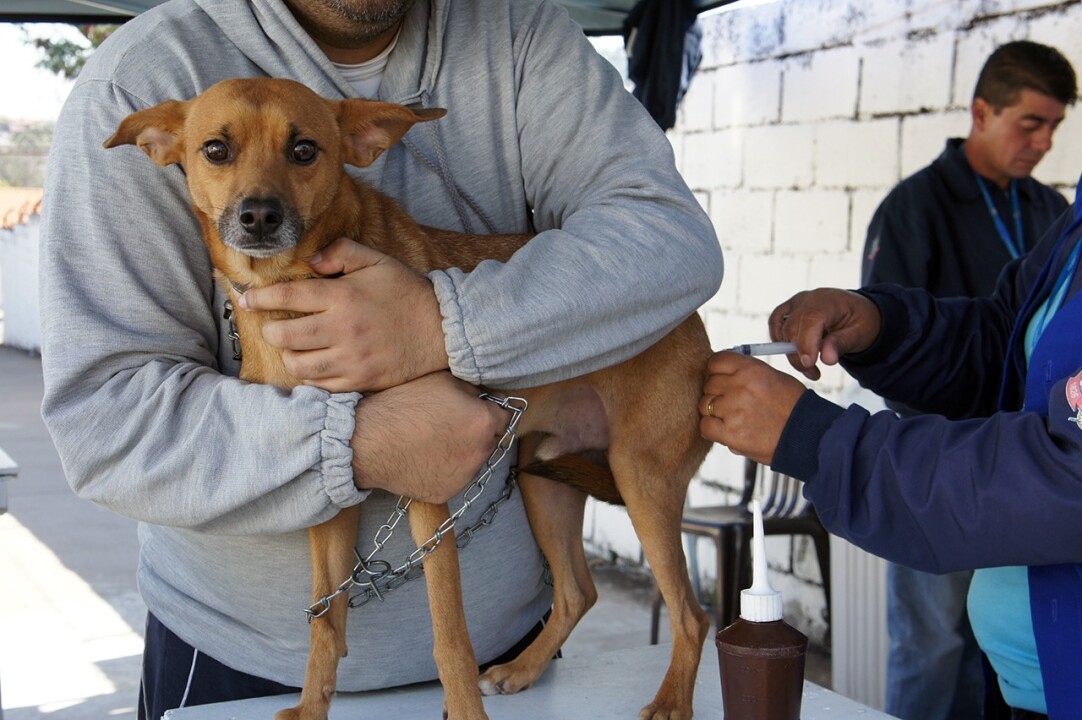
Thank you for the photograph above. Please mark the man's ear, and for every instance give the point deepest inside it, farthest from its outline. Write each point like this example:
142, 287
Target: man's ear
979, 112
156, 131
369, 127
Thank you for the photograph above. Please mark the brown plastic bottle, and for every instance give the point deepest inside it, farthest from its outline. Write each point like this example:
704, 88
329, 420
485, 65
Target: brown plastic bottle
761, 658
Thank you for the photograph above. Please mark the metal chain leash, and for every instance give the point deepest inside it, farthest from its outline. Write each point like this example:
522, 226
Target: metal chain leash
376, 577
233, 334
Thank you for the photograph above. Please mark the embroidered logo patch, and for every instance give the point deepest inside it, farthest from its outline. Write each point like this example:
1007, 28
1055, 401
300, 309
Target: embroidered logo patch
1074, 398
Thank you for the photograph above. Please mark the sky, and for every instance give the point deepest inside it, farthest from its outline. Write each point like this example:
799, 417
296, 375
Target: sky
29, 92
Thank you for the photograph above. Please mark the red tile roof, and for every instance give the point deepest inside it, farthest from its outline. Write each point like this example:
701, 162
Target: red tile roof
17, 204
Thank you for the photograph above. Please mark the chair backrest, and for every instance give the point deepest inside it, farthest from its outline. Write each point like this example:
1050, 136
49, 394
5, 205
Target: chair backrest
780, 495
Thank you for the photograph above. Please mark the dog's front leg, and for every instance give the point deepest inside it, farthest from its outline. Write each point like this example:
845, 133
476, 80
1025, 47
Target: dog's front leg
453, 649
332, 546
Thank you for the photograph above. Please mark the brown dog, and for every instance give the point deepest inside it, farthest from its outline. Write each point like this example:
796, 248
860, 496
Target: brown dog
267, 200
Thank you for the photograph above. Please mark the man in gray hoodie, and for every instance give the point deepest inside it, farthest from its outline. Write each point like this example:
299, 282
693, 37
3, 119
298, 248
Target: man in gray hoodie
141, 394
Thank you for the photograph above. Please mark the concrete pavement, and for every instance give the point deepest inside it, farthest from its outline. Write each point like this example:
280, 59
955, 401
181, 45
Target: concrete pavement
70, 615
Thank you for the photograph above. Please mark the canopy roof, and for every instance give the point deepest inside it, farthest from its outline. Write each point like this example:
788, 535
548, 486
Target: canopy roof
597, 17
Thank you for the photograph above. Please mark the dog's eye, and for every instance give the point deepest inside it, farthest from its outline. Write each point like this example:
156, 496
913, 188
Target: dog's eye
304, 152
215, 151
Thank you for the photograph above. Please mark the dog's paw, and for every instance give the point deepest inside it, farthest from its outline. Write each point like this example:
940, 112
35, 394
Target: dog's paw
300, 713
662, 711
505, 680
488, 687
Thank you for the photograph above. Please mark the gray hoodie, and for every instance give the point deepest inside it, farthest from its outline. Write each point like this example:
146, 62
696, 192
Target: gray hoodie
141, 394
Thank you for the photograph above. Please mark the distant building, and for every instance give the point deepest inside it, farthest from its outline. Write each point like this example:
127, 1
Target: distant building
20, 210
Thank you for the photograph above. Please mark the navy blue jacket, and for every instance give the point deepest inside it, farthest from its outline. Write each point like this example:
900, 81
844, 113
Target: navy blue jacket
934, 231
939, 494
1001, 488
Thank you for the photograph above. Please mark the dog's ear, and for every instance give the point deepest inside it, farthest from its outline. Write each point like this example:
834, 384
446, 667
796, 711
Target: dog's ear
369, 127
156, 131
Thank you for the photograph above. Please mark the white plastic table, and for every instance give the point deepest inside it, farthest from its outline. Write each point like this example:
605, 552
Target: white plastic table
612, 685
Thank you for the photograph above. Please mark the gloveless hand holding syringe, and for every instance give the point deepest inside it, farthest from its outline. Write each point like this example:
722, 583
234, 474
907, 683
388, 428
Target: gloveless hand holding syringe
760, 349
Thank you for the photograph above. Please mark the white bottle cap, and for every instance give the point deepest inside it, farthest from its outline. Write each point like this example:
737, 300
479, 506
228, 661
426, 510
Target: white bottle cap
760, 602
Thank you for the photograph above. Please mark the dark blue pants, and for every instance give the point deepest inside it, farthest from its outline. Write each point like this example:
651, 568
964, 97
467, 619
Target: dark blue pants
174, 676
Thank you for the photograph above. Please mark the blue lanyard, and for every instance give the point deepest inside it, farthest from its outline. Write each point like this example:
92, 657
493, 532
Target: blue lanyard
1016, 245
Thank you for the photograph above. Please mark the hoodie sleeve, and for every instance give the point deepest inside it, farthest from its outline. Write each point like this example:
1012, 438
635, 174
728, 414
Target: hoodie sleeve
144, 421
624, 251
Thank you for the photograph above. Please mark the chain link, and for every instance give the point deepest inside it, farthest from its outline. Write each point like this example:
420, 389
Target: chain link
233, 334
376, 577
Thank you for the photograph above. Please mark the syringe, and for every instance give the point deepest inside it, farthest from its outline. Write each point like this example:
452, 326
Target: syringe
770, 348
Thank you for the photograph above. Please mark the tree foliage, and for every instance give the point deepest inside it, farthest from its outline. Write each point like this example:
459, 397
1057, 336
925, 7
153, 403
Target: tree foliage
65, 57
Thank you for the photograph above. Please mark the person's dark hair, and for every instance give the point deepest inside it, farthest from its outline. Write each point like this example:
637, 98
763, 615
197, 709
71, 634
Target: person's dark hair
1025, 65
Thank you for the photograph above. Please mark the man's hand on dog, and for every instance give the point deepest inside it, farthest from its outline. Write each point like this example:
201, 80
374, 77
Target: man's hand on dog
373, 325
426, 438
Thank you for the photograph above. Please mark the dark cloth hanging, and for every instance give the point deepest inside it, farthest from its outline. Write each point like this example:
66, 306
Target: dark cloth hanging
663, 43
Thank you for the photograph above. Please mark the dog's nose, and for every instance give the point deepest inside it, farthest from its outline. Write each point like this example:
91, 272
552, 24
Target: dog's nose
260, 216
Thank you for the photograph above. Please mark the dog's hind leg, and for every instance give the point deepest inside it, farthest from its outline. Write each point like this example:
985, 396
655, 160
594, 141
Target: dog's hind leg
453, 649
555, 511
332, 547
655, 510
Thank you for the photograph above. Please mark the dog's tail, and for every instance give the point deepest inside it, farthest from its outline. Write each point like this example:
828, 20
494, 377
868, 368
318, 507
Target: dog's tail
591, 475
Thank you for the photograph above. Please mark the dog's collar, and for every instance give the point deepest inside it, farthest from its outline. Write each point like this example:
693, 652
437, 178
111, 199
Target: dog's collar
238, 288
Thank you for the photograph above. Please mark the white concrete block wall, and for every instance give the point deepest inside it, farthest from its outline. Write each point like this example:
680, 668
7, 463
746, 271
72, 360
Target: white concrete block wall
1063, 164
732, 38
861, 209
821, 85
779, 156
857, 153
923, 137
748, 94
714, 159
698, 106
803, 115
906, 76
763, 283
744, 219
810, 222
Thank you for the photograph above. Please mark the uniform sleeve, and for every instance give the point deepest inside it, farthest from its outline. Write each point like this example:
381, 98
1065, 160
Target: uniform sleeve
145, 423
625, 251
948, 355
941, 495
932, 492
